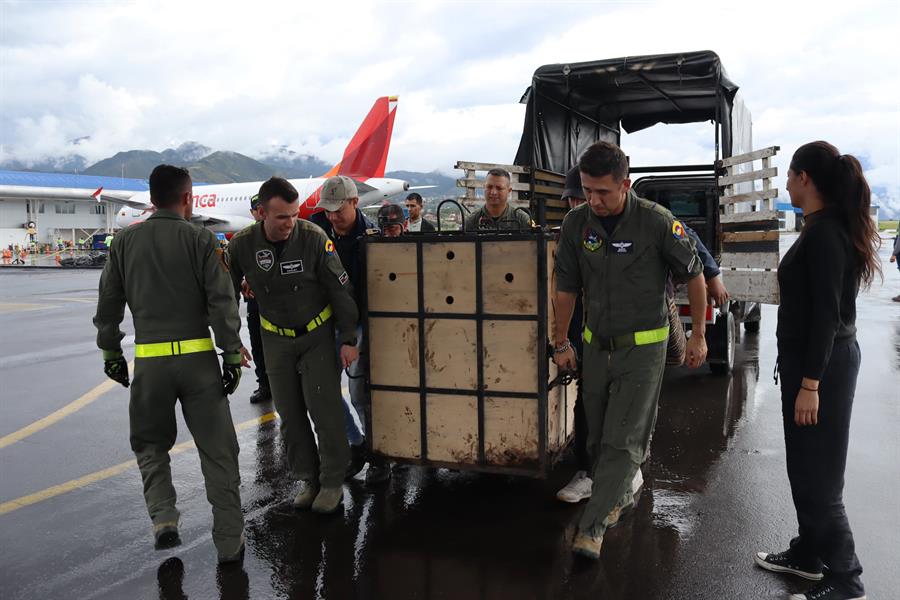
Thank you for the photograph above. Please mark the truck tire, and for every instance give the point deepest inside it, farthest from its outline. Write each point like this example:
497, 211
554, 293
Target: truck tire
721, 343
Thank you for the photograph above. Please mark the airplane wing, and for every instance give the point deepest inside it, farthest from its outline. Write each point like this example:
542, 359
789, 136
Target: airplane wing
362, 187
19, 192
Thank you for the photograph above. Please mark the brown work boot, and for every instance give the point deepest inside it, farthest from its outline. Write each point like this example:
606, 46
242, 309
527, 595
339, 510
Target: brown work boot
616, 514
306, 495
328, 500
587, 545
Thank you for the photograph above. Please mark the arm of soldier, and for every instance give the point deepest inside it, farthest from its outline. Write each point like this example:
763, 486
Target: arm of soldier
567, 271
696, 346
336, 281
236, 269
110, 305
221, 304
110, 312
678, 250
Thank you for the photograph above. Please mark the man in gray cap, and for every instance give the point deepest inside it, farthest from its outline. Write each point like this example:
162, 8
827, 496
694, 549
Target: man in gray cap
304, 294
345, 226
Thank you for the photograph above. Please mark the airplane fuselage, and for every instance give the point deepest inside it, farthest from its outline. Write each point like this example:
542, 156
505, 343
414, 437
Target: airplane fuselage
225, 208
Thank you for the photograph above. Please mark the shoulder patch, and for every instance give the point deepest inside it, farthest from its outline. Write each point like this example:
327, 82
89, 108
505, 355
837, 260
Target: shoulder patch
678, 230
223, 259
329, 247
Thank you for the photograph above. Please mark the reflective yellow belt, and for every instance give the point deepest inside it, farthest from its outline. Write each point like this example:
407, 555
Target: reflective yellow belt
173, 348
288, 332
638, 338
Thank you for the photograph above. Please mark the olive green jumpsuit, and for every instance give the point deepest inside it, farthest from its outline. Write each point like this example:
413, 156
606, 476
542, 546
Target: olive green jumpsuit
174, 279
303, 291
623, 278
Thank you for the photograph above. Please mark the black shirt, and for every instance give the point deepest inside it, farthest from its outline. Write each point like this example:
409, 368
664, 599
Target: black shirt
818, 284
347, 246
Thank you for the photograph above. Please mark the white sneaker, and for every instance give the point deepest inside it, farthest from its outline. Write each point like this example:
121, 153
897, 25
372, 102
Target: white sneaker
576, 490
637, 482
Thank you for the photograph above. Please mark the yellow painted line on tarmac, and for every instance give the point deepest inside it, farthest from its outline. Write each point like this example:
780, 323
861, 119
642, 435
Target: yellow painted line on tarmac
87, 480
60, 414
16, 307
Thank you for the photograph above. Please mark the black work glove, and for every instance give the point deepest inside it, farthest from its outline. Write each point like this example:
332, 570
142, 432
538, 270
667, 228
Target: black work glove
115, 366
231, 371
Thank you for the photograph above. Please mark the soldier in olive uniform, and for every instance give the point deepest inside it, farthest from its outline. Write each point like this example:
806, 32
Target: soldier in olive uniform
618, 250
496, 212
174, 278
303, 292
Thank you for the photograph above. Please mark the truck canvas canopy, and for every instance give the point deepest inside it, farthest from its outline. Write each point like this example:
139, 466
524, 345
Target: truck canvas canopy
570, 106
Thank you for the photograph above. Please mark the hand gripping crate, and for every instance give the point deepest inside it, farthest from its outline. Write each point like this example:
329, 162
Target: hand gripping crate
460, 372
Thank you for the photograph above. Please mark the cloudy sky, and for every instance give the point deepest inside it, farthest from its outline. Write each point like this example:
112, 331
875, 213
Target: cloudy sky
249, 76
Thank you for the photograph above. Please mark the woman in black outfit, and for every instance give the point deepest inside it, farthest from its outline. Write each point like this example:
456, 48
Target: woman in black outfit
818, 359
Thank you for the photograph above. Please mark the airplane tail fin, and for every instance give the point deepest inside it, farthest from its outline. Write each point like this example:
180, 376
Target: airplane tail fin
366, 154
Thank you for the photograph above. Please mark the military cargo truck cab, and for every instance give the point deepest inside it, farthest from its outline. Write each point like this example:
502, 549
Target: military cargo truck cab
727, 201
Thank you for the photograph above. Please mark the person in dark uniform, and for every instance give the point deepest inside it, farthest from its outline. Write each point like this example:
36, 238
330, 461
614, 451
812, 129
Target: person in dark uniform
497, 213
619, 250
304, 295
345, 225
417, 223
174, 277
819, 359
263, 392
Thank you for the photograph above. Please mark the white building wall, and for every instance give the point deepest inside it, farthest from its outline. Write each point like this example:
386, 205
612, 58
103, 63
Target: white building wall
50, 224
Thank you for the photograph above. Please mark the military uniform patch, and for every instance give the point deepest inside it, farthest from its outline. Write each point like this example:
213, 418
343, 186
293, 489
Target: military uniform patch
291, 267
592, 240
343, 278
678, 230
223, 258
329, 247
623, 247
265, 259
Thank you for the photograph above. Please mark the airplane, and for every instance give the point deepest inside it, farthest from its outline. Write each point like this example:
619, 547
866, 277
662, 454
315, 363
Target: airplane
225, 208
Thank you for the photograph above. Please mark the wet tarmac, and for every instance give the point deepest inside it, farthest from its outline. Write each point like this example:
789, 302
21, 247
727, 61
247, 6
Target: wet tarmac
73, 523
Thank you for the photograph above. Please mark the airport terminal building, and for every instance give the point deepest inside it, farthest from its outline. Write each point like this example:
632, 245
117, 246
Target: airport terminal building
33, 197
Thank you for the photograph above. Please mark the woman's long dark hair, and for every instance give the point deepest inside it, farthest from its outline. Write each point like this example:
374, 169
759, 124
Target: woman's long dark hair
843, 187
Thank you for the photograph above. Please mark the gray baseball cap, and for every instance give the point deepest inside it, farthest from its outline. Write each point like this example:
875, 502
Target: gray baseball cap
335, 191
573, 184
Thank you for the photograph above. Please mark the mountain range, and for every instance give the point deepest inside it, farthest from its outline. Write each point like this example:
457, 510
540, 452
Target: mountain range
220, 166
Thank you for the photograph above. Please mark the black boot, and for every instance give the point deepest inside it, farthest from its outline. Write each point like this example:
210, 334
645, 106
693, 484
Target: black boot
262, 394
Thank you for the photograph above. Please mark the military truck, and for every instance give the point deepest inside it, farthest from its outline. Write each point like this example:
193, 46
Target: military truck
571, 106
459, 322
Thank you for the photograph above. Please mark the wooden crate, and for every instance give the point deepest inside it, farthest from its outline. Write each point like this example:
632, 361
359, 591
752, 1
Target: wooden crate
464, 384
749, 222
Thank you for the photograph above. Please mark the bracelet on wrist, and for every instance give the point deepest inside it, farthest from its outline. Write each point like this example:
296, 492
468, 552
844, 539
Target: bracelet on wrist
808, 389
562, 347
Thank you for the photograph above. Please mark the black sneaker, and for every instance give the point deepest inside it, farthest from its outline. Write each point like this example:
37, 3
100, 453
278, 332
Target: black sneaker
826, 591
166, 536
784, 562
262, 394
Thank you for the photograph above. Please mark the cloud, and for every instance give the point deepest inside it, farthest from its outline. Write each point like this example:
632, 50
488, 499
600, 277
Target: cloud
249, 76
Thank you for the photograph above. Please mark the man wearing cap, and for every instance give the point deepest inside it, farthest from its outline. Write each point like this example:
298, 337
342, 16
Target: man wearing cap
346, 225
303, 293
263, 392
618, 250
390, 220
579, 488
496, 212
417, 223
174, 278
